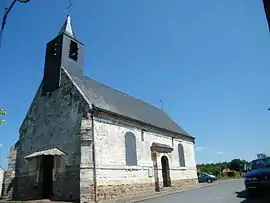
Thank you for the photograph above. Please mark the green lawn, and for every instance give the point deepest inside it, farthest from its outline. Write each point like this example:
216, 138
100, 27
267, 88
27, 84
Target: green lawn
228, 178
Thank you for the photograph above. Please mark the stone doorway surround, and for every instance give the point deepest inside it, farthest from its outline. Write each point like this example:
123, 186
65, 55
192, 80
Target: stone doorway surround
45, 165
157, 150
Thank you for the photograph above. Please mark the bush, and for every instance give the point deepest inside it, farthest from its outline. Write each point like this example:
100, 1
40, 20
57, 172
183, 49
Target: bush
231, 174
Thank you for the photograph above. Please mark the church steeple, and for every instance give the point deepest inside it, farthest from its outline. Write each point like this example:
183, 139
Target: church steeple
63, 51
67, 28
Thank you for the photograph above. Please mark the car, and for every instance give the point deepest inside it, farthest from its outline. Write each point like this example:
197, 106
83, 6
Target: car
204, 177
257, 177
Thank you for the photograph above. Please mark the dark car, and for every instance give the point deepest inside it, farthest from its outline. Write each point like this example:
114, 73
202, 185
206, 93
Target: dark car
257, 178
204, 177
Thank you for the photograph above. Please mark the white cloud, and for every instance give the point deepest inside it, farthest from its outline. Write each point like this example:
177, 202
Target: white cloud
220, 153
201, 148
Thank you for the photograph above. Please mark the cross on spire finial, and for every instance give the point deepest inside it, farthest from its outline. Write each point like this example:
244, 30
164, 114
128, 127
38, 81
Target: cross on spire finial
69, 7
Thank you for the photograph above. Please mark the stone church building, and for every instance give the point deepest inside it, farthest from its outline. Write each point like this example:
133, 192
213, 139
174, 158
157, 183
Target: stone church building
84, 141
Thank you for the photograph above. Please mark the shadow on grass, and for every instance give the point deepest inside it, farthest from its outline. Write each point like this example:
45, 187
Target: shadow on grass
246, 199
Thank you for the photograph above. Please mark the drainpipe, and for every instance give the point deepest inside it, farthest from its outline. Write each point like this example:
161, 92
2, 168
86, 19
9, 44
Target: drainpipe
94, 154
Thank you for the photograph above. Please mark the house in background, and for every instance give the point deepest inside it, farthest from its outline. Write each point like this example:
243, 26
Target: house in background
84, 141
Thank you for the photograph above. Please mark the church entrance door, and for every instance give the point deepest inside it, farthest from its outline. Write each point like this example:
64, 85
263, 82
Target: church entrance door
165, 171
47, 174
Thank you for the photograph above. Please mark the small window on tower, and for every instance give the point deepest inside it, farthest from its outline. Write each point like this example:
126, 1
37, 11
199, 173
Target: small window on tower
54, 49
73, 50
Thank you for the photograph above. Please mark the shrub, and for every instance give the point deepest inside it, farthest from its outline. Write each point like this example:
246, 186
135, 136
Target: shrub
231, 174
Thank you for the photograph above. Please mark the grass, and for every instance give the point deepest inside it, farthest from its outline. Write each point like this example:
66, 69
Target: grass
229, 178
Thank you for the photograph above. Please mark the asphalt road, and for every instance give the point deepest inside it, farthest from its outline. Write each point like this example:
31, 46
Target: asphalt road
231, 191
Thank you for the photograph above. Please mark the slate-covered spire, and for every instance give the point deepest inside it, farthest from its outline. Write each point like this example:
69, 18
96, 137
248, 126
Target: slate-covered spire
67, 28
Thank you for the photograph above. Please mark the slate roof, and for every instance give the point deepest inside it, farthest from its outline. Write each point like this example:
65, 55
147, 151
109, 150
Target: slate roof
112, 100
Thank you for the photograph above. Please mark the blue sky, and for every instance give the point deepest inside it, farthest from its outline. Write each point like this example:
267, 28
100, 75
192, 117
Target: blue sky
209, 61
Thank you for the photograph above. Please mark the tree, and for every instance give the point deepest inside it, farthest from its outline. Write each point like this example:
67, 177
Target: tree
2, 113
237, 164
215, 169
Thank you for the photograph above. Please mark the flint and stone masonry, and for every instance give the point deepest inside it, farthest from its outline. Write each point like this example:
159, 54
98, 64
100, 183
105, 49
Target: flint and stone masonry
85, 142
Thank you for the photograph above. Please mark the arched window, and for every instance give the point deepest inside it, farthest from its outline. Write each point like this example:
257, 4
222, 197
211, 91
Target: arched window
131, 150
181, 155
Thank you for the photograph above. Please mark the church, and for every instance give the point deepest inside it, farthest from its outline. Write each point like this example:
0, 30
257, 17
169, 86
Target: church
86, 142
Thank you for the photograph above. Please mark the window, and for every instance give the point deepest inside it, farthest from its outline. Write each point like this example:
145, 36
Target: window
260, 163
181, 155
131, 150
54, 47
73, 50
201, 175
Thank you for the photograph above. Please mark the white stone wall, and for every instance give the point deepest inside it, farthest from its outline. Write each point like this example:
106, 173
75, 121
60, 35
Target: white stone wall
110, 155
53, 121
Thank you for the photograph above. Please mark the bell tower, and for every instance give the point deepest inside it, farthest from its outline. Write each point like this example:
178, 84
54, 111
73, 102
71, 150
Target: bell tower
63, 51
